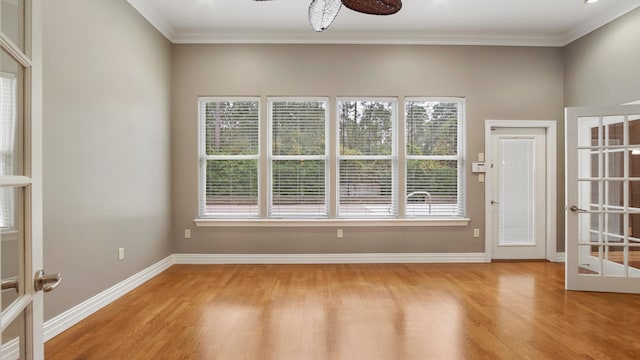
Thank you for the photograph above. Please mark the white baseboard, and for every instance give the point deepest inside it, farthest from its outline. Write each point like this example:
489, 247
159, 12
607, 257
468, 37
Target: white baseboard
560, 257
354, 258
79, 312
10, 350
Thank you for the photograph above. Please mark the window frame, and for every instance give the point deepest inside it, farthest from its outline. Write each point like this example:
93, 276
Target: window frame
271, 157
459, 157
203, 157
393, 157
332, 159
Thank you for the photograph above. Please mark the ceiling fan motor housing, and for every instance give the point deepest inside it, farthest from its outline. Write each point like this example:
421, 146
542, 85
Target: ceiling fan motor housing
374, 7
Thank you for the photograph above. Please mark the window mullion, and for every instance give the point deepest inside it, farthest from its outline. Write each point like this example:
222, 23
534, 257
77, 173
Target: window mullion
264, 174
400, 187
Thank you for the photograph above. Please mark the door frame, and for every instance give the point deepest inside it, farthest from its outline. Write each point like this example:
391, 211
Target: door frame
550, 127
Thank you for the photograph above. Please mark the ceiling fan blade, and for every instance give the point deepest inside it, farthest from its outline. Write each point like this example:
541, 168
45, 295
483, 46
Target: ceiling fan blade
374, 7
322, 13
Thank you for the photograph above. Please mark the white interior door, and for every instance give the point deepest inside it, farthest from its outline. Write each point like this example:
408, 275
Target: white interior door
20, 179
518, 196
603, 198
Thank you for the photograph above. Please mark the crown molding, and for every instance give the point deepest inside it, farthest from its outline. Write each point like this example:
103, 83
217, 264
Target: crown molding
147, 11
383, 38
601, 19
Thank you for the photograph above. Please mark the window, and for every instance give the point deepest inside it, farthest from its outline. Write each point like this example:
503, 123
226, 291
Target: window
434, 163
298, 157
366, 157
229, 156
366, 161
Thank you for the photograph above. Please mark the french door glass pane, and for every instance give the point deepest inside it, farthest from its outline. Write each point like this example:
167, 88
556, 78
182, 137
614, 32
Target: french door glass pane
588, 163
614, 160
12, 21
614, 195
12, 242
14, 339
634, 227
11, 116
588, 131
588, 259
634, 130
634, 162
614, 130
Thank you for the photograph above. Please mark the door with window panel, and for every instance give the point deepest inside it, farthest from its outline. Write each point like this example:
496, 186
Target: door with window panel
603, 199
20, 179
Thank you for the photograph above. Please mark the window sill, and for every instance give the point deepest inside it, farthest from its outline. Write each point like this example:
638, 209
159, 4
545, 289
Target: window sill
452, 221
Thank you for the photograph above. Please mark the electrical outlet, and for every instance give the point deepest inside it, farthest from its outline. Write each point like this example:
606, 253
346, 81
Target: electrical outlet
187, 233
476, 233
120, 254
340, 234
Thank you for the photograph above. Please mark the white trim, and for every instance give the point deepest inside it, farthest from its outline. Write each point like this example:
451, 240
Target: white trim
560, 257
353, 258
81, 311
147, 11
453, 221
370, 38
10, 350
551, 200
602, 19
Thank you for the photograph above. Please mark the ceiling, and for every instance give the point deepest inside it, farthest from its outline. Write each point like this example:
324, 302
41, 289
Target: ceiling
462, 22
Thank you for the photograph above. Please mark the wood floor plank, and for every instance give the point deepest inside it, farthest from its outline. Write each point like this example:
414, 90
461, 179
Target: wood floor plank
383, 311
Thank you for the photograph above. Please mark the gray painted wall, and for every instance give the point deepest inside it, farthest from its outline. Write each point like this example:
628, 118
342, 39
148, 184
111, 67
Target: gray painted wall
106, 146
108, 149
603, 67
511, 83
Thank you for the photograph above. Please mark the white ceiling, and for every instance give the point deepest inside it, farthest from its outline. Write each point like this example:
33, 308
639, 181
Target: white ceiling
464, 22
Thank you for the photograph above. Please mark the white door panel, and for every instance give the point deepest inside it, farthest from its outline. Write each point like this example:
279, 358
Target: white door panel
518, 203
20, 179
603, 198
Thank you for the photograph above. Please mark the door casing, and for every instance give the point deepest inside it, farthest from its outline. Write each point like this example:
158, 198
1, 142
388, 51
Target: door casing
550, 127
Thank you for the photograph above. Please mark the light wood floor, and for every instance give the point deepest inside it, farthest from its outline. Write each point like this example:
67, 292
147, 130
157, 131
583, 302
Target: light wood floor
424, 311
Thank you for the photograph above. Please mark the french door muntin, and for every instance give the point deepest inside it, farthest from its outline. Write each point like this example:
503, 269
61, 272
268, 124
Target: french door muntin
20, 179
603, 198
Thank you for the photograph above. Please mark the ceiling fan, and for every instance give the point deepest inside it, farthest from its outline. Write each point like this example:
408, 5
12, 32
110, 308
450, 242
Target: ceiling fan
323, 12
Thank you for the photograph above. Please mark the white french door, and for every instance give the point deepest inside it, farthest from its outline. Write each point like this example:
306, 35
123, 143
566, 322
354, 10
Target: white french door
603, 198
21, 180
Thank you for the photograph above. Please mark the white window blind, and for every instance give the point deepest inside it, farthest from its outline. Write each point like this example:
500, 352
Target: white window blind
298, 157
365, 161
229, 155
8, 146
434, 162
